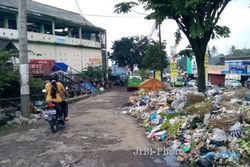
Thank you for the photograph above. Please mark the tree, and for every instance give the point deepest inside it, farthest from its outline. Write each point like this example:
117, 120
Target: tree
197, 19
153, 57
8, 75
94, 73
10, 79
129, 51
232, 50
188, 51
214, 51
238, 52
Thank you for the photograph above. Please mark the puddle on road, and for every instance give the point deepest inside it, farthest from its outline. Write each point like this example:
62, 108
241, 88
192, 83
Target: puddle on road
169, 160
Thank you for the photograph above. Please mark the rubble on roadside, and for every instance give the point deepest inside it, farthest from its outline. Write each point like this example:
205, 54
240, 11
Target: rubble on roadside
19, 119
209, 129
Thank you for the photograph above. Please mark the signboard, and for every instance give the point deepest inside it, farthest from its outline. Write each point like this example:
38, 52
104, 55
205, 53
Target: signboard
233, 76
173, 68
206, 67
189, 66
41, 66
60, 39
95, 61
158, 75
194, 66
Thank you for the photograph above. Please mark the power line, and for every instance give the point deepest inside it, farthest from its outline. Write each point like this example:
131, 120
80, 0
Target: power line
139, 13
80, 12
112, 16
152, 30
123, 17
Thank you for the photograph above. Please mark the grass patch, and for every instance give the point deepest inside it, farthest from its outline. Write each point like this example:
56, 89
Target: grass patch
8, 129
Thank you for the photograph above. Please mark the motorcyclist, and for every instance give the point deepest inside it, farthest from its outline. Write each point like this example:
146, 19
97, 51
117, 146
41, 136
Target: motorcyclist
55, 92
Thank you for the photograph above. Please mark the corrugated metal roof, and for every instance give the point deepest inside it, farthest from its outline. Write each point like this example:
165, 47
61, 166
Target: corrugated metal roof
39, 8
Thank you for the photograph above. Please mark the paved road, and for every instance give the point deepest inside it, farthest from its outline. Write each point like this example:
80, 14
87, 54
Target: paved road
97, 135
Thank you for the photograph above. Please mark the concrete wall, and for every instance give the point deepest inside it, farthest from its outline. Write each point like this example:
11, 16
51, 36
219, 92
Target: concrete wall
77, 58
72, 51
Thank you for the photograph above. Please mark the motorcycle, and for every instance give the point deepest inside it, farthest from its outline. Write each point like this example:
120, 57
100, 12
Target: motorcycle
53, 117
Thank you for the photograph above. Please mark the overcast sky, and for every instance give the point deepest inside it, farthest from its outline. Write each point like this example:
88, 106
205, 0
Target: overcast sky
236, 16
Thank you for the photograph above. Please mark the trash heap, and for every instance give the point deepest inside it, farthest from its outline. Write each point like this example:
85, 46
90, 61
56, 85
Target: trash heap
19, 119
208, 129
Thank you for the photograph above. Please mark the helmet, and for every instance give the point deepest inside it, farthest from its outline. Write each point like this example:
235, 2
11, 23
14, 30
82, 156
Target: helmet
53, 77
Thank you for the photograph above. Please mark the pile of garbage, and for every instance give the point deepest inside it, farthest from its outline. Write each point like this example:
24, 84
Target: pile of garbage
19, 119
207, 129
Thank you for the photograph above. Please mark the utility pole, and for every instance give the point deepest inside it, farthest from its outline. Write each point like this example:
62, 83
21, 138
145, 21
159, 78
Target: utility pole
162, 56
23, 56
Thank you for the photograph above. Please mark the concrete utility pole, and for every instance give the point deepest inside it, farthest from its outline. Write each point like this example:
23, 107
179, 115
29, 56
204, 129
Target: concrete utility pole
162, 56
23, 56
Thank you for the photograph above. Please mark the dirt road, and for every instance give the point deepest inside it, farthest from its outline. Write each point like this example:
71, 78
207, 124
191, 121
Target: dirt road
97, 135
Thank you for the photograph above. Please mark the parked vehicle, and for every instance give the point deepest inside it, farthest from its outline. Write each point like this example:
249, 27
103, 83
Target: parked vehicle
232, 83
209, 84
192, 83
247, 83
180, 80
133, 82
52, 115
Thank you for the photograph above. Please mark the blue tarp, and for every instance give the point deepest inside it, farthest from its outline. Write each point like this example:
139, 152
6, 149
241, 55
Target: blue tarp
60, 66
89, 87
83, 86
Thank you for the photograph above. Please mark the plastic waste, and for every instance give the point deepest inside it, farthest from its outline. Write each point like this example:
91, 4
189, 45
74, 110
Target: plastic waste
209, 155
217, 143
152, 116
223, 154
206, 119
185, 149
162, 135
204, 162
227, 154
235, 130
175, 145
219, 135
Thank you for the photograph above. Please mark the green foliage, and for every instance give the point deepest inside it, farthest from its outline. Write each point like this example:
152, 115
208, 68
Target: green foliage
124, 7
94, 73
220, 31
188, 51
196, 30
9, 84
155, 56
6, 60
144, 73
175, 129
245, 145
214, 51
197, 19
193, 144
129, 51
36, 85
9, 78
178, 37
169, 116
233, 51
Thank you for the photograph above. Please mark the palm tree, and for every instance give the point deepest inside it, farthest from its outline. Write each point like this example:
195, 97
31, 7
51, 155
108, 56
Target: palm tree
214, 51
232, 50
